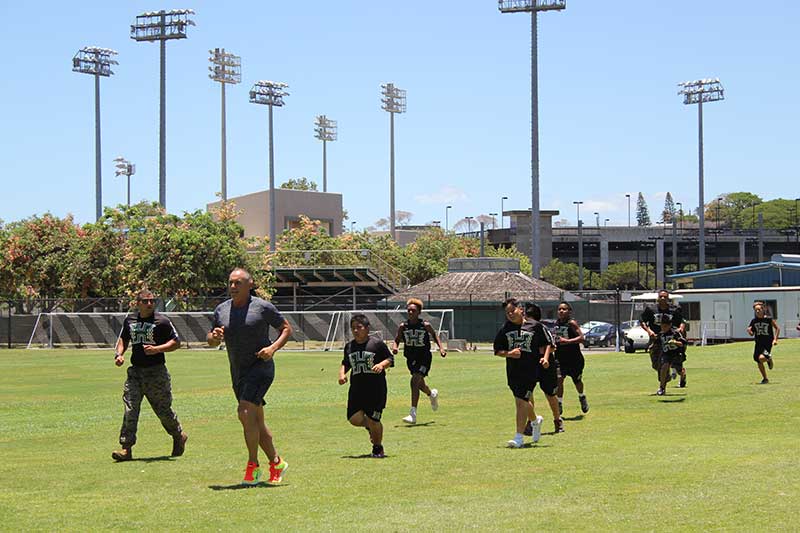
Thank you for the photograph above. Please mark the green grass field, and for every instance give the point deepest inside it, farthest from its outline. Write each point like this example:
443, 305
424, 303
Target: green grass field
721, 454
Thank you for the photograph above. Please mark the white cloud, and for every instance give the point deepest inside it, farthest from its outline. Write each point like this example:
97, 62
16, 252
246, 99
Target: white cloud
445, 195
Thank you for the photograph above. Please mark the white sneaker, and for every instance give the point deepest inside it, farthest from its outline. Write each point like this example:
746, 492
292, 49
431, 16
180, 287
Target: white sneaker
516, 442
537, 428
410, 419
434, 399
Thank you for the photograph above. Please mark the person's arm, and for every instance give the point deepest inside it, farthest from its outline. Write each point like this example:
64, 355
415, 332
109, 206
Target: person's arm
169, 346
217, 334
342, 375
119, 351
387, 359
647, 315
398, 338
268, 352
435, 337
545, 360
164, 330
575, 340
775, 332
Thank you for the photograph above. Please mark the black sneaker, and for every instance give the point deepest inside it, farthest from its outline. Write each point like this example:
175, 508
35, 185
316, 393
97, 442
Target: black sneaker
764, 381
660, 392
682, 384
769, 362
377, 451
559, 425
584, 404
528, 432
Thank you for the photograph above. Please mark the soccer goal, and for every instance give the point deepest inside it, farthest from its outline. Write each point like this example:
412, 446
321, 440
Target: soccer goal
311, 330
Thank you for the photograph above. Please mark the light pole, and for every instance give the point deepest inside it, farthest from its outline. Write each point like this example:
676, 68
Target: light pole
699, 92
227, 68
446, 218
503, 199
680, 213
494, 220
605, 222
533, 7
579, 226
393, 101
716, 237
125, 168
469, 224
597, 219
352, 225
437, 223
628, 196
270, 93
162, 26
325, 130
97, 62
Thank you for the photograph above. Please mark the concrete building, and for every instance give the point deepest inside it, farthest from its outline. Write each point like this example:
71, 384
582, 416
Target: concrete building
290, 204
519, 233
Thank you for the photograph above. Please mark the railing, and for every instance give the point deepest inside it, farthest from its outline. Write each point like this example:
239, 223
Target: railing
358, 258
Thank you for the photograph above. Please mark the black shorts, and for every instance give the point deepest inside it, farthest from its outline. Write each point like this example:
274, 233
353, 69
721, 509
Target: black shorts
371, 400
522, 388
254, 382
672, 358
571, 365
762, 348
548, 378
419, 363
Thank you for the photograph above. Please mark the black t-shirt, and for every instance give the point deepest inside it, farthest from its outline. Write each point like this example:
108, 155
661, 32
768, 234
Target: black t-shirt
668, 342
567, 330
528, 337
360, 358
762, 329
153, 330
652, 316
416, 339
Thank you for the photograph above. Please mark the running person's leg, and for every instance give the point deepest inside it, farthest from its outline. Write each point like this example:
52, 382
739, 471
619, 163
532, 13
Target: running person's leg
157, 387
132, 399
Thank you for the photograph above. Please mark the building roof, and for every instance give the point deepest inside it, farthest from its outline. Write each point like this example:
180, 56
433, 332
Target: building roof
736, 269
483, 287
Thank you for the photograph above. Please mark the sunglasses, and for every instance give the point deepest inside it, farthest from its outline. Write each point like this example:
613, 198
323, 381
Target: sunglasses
147, 300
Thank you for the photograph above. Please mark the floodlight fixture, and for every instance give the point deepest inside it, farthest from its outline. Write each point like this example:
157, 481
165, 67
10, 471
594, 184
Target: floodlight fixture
533, 7
97, 62
393, 101
325, 130
225, 68
700, 92
527, 6
125, 168
271, 94
162, 26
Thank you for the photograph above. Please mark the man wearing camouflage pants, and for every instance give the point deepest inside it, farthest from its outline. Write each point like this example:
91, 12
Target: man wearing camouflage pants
151, 335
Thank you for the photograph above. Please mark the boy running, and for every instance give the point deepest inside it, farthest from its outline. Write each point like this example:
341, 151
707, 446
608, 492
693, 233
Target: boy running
764, 331
668, 345
568, 338
520, 370
366, 359
543, 346
650, 322
416, 335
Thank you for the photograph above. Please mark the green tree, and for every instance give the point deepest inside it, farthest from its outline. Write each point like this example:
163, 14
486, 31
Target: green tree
668, 213
300, 184
628, 275
427, 256
562, 275
642, 213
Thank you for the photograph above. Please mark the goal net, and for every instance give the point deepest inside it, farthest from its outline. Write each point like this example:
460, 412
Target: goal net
312, 330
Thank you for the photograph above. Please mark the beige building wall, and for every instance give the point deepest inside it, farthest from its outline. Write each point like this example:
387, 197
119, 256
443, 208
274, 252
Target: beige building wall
289, 205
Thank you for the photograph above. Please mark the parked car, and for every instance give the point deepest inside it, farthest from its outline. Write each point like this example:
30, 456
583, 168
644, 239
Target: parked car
625, 326
635, 338
587, 326
602, 335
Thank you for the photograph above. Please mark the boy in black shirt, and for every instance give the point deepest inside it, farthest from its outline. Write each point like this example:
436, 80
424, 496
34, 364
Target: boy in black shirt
569, 337
151, 335
416, 336
543, 347
668, 346
366, 358
764, 331
651, 323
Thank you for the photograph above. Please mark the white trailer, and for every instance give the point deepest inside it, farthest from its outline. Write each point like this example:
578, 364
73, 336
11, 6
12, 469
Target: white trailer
716, 315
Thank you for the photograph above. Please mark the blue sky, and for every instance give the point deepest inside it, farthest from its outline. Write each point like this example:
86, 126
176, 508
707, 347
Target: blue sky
611, 121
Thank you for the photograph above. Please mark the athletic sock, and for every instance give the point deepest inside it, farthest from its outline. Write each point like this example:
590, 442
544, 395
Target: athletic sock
560, 399
581, 395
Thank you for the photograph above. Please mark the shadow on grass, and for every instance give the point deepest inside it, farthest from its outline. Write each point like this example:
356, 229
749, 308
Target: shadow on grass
420, 425
153, 459
240, 486
672, 400
528, 446
364, 456
573, 418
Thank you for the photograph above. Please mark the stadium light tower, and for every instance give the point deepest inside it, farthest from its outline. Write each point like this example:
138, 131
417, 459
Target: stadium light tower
270, 93
533, 7
226, 68
325, 130
125, 168
393, 101
97, 62
699, 92
162, 26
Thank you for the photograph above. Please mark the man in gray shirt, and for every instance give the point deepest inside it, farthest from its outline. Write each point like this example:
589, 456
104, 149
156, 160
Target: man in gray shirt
243, 323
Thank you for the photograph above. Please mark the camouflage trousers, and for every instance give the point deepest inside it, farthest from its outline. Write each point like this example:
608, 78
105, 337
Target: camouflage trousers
155, 384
